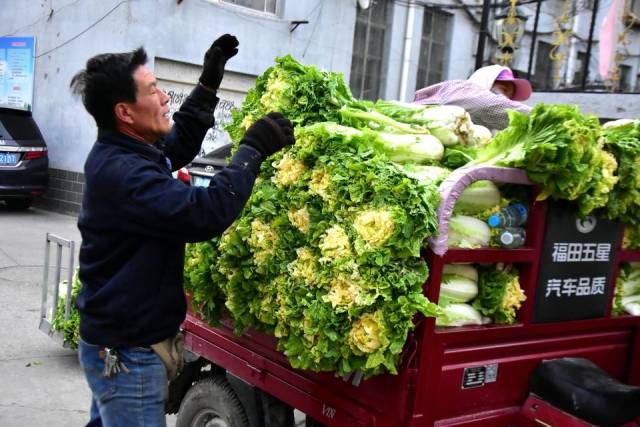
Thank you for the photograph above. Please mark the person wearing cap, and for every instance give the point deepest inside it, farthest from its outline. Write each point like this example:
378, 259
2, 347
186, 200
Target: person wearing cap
486, 95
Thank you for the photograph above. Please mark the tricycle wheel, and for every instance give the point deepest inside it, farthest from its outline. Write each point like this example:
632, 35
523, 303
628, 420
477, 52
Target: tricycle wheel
310, 422
276, 413
211, 402
19, 203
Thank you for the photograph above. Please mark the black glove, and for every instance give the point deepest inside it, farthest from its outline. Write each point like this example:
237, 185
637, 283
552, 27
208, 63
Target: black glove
224, 48
269, 134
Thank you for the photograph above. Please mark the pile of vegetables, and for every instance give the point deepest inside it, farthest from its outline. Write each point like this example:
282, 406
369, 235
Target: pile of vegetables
479, 295
631, 237
326, 253
561, 150
622, 139
627, 292
71, 327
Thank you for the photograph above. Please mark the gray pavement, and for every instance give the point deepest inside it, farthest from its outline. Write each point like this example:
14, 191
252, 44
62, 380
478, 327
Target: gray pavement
41, 383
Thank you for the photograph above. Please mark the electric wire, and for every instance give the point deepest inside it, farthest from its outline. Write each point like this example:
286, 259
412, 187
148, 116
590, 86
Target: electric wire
83, 31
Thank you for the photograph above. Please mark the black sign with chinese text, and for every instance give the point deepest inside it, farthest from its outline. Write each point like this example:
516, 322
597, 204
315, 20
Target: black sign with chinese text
574, 281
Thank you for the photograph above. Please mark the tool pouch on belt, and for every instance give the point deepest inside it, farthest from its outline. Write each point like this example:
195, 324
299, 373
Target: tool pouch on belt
170, 352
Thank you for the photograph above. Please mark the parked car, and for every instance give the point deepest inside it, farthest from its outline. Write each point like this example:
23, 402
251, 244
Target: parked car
200, 171
24, 161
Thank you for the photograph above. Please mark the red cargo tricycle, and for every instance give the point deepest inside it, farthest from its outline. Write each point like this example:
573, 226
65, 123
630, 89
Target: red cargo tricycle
559, 365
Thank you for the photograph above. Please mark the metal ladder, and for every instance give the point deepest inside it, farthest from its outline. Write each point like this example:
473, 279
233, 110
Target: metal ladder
46, 322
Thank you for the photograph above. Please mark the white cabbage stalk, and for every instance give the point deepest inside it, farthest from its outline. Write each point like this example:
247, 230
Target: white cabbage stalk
618, 123
457, 289
449, 123
468, 232
477, 197
441, 113
445, 132
631, 304
459, 315
631, 286
464, 270
633, 308
412, 148
479, 135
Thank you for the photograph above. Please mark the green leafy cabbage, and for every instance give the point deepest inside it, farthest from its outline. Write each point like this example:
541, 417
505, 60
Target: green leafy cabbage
500, 294
561, 150
326, 253
623, 141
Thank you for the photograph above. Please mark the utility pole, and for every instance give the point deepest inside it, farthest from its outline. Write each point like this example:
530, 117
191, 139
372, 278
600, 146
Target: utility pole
534, 37
585, 67
484, 31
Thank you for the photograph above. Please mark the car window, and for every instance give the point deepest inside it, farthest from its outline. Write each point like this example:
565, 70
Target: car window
18, 127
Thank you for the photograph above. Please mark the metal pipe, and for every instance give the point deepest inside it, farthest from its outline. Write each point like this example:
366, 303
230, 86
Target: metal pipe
534, 37
67, 305
45, 279
484, 31
585, 68
406, 54
56, 285
570, 69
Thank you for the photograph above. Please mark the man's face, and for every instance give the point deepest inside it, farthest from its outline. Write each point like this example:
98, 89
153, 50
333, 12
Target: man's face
505, 88
150, 112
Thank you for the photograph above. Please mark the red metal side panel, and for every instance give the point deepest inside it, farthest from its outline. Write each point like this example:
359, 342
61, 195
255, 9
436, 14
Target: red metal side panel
508, 417
516, 360
379, 401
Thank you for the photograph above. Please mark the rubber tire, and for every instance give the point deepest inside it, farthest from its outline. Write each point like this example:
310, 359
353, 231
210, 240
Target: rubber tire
310, 422
19, 203
276, 413
214, 395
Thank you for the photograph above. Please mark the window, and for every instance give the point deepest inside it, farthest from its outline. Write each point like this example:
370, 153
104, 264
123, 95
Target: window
543, 76
434, 48
367, 62
268, 6
579, 72
625, 79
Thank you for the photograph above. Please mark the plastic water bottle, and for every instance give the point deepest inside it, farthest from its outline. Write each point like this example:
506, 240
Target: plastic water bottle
513, 237
510, 216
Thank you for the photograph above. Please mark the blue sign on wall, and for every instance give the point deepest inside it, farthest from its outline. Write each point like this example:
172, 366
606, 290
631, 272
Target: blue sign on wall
16, 72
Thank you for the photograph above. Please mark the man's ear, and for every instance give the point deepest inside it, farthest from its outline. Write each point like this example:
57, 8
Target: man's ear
123, 113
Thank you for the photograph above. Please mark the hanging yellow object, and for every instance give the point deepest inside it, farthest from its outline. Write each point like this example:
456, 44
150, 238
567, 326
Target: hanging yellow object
561, 36
509, 34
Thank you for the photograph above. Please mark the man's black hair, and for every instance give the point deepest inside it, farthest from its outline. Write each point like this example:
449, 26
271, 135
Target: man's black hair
108, 80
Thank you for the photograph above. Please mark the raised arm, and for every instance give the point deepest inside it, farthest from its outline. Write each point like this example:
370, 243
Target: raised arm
195, 116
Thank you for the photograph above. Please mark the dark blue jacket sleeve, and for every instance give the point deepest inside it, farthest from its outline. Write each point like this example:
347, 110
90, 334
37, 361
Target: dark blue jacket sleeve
190, 125
156, 205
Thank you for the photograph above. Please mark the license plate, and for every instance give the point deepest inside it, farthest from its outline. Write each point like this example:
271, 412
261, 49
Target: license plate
8, 159
200, 181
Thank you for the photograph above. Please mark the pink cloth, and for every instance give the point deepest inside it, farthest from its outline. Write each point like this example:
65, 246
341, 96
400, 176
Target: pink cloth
485, 77
485, 107
608, 34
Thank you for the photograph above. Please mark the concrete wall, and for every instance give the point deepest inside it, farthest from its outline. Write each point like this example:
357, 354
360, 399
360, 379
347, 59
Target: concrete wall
463, 47
180, 32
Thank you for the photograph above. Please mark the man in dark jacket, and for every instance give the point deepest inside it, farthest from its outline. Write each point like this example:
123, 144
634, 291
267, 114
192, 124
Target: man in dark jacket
135, 220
